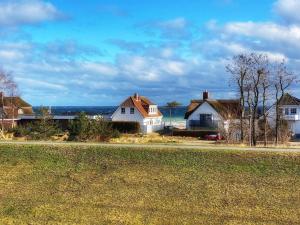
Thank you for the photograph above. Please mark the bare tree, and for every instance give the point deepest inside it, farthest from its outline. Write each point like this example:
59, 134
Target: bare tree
12, 90
7, 86
282, 80
259, 70
239, 69
266, 84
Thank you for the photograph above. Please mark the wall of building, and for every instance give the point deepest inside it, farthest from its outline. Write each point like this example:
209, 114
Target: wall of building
293, 120
148, 125
118, 116
205, 108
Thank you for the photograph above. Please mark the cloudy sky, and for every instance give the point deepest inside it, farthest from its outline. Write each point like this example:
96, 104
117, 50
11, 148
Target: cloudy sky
72, 53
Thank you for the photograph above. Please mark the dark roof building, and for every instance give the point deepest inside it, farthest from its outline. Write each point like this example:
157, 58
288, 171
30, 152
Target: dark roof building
227, 108
288, 99
14, 107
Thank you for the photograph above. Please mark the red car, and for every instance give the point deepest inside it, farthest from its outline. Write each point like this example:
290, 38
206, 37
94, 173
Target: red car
213, 137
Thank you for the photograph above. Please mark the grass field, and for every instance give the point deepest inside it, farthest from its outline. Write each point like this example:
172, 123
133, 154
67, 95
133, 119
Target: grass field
105, 185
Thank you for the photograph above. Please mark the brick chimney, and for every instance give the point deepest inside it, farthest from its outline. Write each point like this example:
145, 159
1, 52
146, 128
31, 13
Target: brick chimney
136, 96
205, 95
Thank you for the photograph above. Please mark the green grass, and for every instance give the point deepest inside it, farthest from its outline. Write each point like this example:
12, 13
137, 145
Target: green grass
105, 185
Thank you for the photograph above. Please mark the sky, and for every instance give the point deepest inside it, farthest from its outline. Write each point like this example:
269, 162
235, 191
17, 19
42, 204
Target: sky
98, 52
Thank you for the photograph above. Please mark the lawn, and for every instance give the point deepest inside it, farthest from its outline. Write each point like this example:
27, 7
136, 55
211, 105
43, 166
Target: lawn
106, 185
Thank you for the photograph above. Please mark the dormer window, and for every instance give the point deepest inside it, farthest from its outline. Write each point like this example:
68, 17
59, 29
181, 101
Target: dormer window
123, 111
152, 109
131, 110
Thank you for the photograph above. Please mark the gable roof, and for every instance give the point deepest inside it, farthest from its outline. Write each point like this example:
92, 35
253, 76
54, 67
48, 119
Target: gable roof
142, 104
288, 99
16, 101
225, 107
12, 104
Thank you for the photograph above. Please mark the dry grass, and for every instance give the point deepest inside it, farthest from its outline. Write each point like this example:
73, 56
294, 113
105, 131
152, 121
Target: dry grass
101, 185
151, 138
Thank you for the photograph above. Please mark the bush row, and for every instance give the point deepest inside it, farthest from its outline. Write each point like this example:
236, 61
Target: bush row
80, 129
193, 133
126, 127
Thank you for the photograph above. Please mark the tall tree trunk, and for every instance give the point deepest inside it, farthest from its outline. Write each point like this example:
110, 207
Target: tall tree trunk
277, 119
242, 102
2, 113
253, 125
265, 115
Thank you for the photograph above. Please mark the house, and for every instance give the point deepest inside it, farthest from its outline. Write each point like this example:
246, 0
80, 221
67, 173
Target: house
139, 109
12, 109
211, 114
289, 107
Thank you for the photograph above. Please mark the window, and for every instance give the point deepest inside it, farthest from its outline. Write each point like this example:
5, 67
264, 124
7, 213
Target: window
293, 111
286, 111
123, 110
131, 110
206, 120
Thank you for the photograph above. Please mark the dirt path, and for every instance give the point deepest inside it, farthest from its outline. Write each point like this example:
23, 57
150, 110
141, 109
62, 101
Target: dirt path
295, 149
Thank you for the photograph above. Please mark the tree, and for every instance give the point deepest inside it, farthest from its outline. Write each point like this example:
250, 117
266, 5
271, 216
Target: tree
239, 70
259, 70
12, 90
44, 127
256, 80
282, 80
266, 84
170, 106
7, 85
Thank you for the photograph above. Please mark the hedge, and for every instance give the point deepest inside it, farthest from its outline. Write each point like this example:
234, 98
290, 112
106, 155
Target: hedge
126, 127
193, 133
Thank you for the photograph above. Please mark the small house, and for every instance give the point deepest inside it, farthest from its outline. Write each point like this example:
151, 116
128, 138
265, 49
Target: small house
140, 109
211, 114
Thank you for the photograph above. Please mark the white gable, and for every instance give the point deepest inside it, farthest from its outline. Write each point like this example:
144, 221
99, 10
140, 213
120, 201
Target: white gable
119, 116
205, 108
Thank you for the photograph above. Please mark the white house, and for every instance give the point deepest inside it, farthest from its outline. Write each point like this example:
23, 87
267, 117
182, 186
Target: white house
140, 109
211, 114
290, 111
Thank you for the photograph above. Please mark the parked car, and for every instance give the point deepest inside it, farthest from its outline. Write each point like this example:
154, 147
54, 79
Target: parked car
213, 137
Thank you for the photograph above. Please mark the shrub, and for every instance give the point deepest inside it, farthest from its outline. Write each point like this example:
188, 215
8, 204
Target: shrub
127, 127
192, 133
84, 129
41, 129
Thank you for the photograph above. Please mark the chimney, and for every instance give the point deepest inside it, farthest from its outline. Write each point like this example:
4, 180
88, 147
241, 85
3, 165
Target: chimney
205, 95
136, 96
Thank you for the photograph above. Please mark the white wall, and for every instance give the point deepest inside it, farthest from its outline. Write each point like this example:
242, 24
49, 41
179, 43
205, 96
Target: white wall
205, 108
297, 127
294, 124
136, 117
148, 125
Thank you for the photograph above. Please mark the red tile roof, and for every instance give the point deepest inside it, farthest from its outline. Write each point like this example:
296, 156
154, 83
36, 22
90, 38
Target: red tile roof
142, 104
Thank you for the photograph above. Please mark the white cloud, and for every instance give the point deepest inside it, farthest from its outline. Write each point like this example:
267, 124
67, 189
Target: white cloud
26, 12
99, 68
175, 68
177, 28
288, 10
174, 24
35, 83
10, 55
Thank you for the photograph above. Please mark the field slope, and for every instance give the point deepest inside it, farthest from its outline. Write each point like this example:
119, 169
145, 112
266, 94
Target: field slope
110, 185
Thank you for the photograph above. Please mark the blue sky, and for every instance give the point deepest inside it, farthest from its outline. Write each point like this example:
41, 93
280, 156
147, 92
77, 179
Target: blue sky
73, 53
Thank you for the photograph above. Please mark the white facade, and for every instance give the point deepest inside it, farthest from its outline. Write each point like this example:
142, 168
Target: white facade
204, 108
290, 113
148, 124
